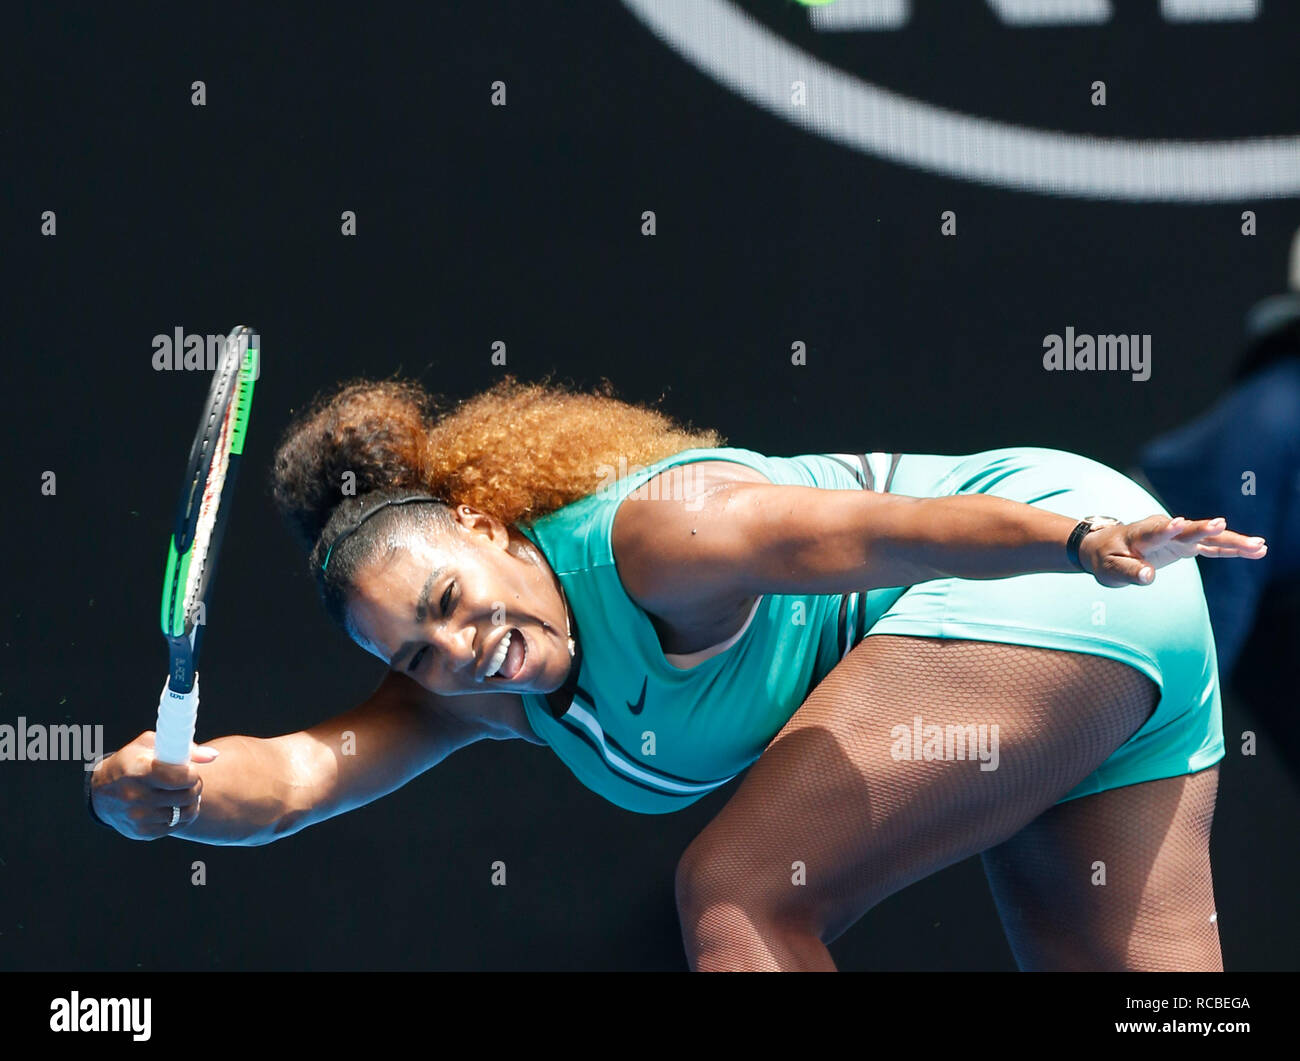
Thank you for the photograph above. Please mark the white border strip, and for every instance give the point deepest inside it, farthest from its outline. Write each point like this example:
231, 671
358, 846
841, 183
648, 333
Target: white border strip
621, 765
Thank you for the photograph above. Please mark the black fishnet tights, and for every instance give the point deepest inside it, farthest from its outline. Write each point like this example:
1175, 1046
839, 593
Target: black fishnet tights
1150, 844
830, 820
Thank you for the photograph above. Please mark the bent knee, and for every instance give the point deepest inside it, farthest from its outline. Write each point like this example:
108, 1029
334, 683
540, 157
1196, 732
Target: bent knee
738, 913
723, 887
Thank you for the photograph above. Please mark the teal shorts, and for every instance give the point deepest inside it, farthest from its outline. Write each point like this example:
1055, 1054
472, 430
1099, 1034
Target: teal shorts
1163, 629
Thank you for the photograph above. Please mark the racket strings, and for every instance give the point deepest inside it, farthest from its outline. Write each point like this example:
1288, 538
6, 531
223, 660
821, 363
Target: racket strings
210, 503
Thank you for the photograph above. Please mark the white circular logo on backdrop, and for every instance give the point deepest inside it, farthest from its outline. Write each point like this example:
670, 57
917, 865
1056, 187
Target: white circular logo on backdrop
750, 59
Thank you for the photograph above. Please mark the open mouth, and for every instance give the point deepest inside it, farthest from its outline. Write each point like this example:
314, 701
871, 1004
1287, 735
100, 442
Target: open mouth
508, 659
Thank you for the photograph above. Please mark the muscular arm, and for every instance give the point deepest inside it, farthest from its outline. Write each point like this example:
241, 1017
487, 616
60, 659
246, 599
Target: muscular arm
743, 539
260, 790
796, 539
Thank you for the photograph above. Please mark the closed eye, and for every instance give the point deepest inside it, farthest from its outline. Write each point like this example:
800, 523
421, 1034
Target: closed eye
445, 603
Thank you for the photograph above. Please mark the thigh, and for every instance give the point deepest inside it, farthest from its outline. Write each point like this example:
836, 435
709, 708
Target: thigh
1116, 880
913, 753
1162, 630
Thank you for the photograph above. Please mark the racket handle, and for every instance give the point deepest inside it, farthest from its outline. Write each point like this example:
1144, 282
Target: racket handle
177, 713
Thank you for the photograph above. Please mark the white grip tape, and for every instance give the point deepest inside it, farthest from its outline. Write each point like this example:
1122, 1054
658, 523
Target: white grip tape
177, 713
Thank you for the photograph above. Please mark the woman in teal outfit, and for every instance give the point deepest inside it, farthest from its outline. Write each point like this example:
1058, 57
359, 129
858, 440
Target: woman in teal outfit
917, 657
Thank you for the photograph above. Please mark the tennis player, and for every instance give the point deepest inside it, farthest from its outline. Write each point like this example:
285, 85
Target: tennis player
918, 658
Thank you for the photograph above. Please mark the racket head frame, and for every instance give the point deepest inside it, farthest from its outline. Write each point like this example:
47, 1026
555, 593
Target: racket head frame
231, 391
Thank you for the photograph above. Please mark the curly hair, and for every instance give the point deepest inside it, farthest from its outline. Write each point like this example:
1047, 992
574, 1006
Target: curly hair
517, 451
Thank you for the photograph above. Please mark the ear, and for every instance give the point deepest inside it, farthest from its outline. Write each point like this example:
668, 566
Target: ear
476, 521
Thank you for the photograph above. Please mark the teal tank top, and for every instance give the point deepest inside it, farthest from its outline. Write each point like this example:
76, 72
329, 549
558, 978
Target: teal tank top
653, 737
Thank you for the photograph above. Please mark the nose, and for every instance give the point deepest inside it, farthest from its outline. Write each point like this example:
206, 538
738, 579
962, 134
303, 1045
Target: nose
456, 647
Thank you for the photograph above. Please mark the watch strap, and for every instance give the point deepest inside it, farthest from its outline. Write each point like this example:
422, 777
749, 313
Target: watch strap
1081, 530
90, 803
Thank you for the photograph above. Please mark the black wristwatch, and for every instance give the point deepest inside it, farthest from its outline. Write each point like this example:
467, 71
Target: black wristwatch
90, 803
1083, 528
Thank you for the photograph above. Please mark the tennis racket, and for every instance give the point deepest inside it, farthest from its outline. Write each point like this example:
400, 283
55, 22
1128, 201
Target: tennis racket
201, 518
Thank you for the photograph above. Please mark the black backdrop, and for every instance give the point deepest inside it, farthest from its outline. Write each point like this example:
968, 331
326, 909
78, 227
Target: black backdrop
522, 224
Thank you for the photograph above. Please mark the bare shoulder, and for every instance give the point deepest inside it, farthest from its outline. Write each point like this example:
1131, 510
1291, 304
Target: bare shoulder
702, 476
667, 522
667, 496
687, 485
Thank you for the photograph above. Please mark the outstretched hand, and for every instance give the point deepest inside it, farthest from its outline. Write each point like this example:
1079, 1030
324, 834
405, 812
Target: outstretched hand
1127, 554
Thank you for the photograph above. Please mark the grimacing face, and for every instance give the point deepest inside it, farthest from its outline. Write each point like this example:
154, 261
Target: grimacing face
476, 610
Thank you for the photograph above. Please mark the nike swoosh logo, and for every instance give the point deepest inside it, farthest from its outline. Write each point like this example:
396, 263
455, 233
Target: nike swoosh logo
640, 700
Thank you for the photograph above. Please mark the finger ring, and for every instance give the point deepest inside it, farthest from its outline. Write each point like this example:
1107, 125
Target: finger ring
176, 816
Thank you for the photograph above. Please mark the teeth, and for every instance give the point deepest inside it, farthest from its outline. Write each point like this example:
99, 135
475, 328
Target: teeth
498, 657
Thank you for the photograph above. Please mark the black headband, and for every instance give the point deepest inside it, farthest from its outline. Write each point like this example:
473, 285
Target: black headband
413, 499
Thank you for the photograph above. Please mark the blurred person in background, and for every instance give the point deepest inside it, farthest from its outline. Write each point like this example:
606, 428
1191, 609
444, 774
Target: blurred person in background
1241, 458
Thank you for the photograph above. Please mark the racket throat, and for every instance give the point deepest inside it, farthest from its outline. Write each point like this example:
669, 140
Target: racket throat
184, 650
